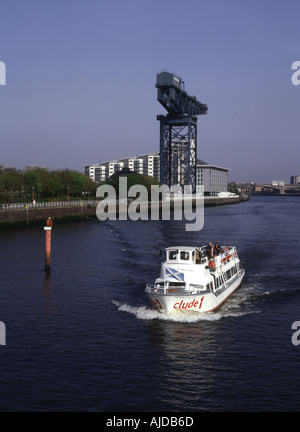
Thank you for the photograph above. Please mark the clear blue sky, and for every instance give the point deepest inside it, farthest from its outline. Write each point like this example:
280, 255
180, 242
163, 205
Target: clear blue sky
80, 81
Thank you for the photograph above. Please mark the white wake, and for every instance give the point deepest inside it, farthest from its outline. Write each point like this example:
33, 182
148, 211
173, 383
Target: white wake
145, 313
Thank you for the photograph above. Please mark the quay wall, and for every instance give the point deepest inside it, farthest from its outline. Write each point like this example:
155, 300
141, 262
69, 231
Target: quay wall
214, 201
38, 216
30, 216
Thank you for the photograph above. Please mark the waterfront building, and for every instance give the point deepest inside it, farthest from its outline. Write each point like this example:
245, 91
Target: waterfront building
212, 178
295, 180
147, 164
278, 183
96, 172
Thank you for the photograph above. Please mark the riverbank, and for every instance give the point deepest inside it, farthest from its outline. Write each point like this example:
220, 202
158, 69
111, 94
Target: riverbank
19, 216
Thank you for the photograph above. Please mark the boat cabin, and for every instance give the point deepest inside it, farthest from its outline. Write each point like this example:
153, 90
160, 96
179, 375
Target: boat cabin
185, 255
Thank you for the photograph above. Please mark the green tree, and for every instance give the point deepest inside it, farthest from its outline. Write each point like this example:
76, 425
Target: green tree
32, 182
90, 186
11, 181
232, 187
72, 179
132, 179
77, 182
44, 178
55, 184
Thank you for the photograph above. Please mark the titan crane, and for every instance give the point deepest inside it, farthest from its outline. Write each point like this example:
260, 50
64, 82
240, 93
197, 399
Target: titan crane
178, 131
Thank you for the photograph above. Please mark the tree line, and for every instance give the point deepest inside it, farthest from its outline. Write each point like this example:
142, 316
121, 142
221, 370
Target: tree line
44, 185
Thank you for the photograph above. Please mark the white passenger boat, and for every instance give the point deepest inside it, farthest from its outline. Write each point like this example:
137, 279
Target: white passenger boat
191, 280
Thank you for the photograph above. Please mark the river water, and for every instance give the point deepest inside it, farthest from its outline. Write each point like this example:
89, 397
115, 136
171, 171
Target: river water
86, 338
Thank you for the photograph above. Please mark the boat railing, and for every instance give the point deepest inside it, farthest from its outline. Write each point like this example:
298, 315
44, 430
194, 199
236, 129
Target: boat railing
165, 289
196, 289
229, 254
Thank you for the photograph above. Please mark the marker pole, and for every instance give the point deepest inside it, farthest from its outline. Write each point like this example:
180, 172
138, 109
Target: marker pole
48, 230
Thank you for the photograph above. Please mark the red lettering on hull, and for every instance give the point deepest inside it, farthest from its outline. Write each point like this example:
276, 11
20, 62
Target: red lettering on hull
182, 305
156, 303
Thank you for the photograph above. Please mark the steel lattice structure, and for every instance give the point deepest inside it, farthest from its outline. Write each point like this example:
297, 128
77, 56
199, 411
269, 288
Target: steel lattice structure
178, 131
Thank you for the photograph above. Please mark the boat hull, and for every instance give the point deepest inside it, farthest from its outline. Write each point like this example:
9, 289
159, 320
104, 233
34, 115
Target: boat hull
200, 302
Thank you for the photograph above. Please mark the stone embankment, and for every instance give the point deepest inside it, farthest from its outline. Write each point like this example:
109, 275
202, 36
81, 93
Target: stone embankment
22, 215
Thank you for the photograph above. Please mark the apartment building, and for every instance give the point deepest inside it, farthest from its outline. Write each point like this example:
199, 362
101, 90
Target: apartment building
147, 164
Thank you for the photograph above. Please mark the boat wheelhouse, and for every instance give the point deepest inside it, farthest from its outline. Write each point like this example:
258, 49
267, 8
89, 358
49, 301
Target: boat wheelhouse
192, 280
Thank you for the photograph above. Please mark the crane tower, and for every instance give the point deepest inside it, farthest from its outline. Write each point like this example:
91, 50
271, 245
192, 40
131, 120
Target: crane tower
178, 131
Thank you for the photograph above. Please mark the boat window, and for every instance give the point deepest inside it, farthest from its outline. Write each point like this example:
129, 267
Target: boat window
185, 256
176, 284
228, 274
173, 255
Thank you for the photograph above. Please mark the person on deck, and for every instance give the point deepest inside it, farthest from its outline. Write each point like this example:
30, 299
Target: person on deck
217, 249
210, 250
